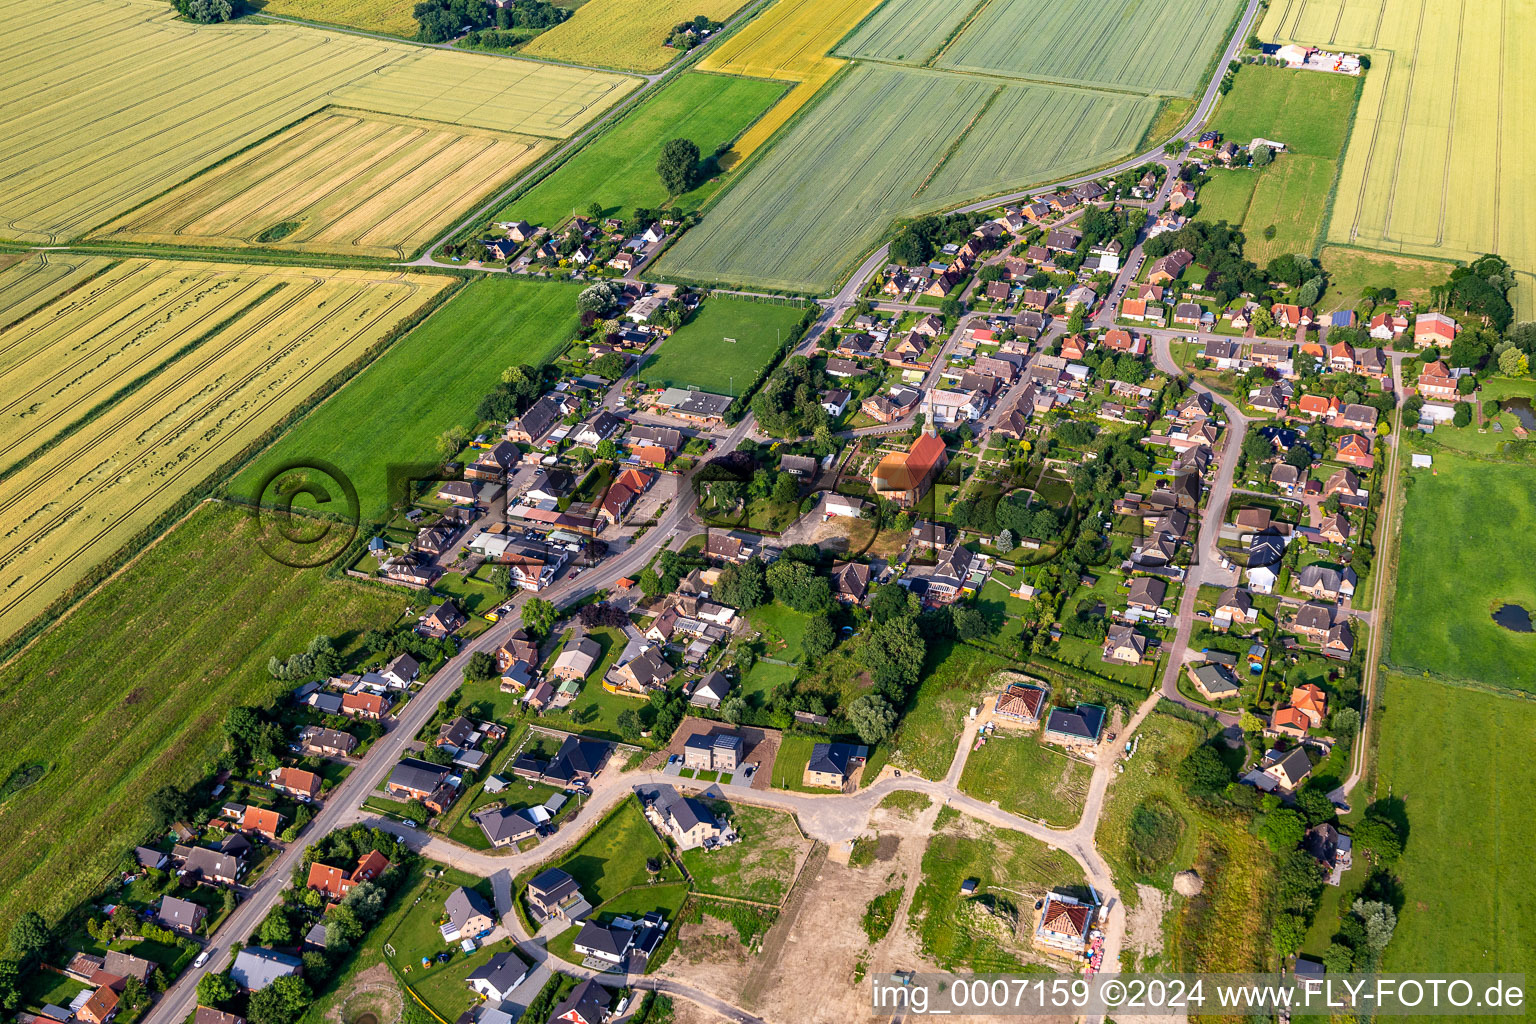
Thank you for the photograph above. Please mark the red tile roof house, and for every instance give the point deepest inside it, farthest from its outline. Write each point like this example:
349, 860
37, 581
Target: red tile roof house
1435, 381
1355, 450
1434, 329
364, 705
296, 782
261, 821
1317, 406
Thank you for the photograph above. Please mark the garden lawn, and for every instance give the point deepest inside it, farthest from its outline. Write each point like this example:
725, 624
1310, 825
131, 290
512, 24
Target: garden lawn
1024, 776
765, 677
1227, 195
1351, 271
387, 416
954, 678
187, 630
724, 347
789, 766
779, 622
1468, 542
1467, 804
957, 931
612, 857
760, 867
618, 168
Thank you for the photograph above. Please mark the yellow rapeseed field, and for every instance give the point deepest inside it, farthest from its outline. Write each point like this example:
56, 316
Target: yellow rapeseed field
341, 181
1440, 162
625, 33
109, 103
789, 42
219, 354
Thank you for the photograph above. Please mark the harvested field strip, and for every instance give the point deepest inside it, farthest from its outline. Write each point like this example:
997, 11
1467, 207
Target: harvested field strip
32, 281
392, 17
624, 33
280, 335
790, 42
1121, 44
341, 181
825, 192
198, 94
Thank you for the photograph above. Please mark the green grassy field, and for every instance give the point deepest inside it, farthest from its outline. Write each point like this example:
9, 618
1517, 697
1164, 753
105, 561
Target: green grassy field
1288, 200
698, 355
887, 141
954, 678
611, 858
957, 931
1022, 775
1351, 271
1466, 803
1468, 541
618, 168
1121, 44
907, 31
1149, 776
387, 415
761, 867
187, 631
783, 630
789, 766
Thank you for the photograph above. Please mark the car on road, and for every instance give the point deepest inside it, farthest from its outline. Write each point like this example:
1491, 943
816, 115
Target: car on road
408, 823
202, 958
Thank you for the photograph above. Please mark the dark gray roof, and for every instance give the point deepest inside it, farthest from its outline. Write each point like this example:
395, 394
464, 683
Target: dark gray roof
184, 913
502, 971
607, 940
462, 904
503, 823
589, 1000
412, 773
1083, 721
576, 757
834, 757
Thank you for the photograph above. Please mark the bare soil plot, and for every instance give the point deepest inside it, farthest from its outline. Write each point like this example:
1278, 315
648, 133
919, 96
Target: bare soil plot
760, 746
341, 181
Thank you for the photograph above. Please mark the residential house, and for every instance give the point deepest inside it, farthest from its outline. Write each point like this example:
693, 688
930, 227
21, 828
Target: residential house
1064, 924
1434, 329
126, 965
469, 916
1335, 528
1285, 476
208, 1015
1313, 621
497, 977
1340, 641
643, 673
494, 463
294, 782
536, 421
414, 779
1076, 727
831, 764
1124, 645
262, 821
684, 820
337, 882
100, 1008
442, 620
1234, 605
1355, 449
180, 915
588, 1003
255, 968
1387, 326
725, 547
1317, 406
1286, 769
1214, 681
554, 894
709, 691
1021, 702
844, 369
850, 582
199, 863
622, 492
617, 943
1170, 267
577, 660
1343, 481
364, 705
597, 429
1326, 584
1188, 314
1435, 381
1147, 593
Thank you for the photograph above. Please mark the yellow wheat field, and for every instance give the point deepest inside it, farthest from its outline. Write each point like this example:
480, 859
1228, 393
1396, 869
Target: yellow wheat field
141, 381
340, 181
624, 33
109, 102
1441, 161
789, 42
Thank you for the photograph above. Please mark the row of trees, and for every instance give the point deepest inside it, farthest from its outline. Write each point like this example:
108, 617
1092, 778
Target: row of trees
441, 20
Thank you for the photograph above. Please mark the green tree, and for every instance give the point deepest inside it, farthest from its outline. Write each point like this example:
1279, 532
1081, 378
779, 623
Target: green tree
1262, 156
609, 367
480, 667
678, 166
970, 623
539, 616
629, 725
215, 990
607, 449
1203, 772
733, 709
282, 1002
1380, 837
785, 489
1282, 829
819, 638
872, 717
1463, 414
29, 938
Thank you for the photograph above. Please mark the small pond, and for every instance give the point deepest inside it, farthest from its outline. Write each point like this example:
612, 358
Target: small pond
1521, 409
1513, 617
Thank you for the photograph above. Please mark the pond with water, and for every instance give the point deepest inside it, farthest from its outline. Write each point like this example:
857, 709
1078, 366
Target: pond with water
1521, 409
1514, 618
